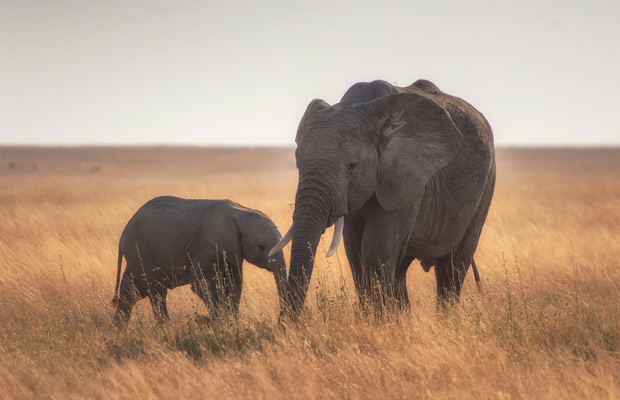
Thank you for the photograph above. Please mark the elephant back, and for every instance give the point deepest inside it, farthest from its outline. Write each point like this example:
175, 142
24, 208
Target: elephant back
363, 92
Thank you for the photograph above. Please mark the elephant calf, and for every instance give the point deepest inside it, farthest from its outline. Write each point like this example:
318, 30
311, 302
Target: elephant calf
171, 242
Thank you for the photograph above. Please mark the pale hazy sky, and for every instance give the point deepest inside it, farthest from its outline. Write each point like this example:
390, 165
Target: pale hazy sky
242, 73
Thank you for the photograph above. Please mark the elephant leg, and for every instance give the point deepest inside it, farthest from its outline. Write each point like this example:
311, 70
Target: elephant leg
384, 244
204, 281
157, 296
226, 288
450, 273
450, 270
352, 237
131, 290
234, 285
400, 282
208, 293
378, 275
382, 250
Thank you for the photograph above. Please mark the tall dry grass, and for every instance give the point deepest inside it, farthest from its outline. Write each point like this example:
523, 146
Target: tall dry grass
547, 326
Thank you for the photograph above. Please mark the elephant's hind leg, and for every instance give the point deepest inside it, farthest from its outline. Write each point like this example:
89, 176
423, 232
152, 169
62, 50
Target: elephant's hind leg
130, 292
157, 296
450, 273
450, 270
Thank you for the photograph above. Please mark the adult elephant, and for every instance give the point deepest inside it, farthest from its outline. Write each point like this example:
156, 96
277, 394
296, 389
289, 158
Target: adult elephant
405, 173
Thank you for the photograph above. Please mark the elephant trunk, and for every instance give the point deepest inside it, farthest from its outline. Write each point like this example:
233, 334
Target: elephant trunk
278, 266
309, 222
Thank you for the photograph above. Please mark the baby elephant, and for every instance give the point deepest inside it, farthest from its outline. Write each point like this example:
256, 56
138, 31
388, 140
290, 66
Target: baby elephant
171, 242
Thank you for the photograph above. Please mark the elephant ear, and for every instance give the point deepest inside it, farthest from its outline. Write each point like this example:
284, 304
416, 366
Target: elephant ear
221, 231
417, 138
314, 106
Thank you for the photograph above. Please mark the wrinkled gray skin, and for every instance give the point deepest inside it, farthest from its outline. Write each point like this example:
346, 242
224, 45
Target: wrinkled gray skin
173, 242
412, 170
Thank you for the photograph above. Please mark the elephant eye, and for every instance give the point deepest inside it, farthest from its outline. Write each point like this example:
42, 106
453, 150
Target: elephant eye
261, 247
351, 166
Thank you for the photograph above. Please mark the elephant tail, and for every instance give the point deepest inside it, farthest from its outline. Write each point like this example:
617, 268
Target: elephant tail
476, 275
118, 278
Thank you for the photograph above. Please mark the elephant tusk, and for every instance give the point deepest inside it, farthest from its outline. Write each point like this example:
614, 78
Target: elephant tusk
283, 242
337, 236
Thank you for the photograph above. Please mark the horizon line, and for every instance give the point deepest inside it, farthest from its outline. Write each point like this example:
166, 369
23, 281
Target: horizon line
278, 146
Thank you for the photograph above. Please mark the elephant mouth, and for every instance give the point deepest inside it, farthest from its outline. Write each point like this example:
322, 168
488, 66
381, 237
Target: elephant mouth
332, 219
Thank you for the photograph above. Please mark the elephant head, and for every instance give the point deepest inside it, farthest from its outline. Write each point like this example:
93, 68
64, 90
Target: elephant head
258, 236
347, 153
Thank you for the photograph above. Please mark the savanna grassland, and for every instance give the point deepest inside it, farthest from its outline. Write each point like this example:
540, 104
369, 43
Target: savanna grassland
546, 326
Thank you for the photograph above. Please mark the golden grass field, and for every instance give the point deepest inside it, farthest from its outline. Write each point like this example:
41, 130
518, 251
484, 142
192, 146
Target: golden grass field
547, 326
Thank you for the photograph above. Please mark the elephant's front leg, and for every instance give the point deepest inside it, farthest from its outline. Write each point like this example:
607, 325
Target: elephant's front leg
383, 247
203, 278
218, 284
234, 285
400, 281
205, 287
352, 234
